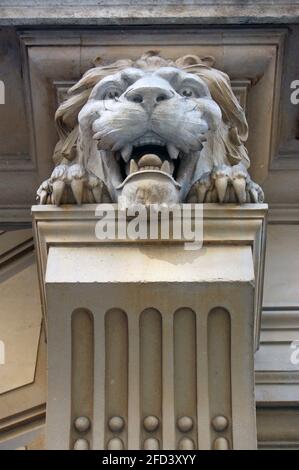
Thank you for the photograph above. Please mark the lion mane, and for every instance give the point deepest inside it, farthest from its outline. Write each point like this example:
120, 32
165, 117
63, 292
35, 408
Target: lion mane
229, 139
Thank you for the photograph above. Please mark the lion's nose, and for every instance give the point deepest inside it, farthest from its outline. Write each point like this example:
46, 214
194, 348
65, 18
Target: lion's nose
148, 96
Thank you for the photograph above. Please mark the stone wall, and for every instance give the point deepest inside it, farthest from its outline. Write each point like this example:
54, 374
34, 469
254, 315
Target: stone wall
38, 63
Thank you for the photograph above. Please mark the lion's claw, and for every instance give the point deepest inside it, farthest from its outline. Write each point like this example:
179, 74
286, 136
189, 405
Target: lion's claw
227, 184
203, 187
221, 176
58, 189
70, 182
77, 186
256, 192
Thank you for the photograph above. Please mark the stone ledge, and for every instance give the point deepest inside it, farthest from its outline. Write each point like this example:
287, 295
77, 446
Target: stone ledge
129, 13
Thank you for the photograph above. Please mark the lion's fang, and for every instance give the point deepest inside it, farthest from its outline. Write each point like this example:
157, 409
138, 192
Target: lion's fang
133, 166
166, 167
172, 151
126, 152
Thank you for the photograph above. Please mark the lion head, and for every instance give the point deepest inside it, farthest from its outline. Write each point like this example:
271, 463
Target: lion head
152, 130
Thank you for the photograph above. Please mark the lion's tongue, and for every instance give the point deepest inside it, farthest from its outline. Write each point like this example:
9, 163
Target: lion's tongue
151, 160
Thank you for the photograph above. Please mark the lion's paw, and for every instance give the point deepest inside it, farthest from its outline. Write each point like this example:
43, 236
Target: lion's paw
227, 184
68, 184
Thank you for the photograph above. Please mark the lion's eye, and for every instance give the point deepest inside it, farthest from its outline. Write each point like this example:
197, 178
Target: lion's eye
187, 92
113, 94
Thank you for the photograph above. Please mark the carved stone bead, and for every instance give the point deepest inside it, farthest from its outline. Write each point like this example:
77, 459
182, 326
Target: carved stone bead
151, 423
151, 444
186, 444
221, 444
185, 423
82, 424
116, 424
115, 444
220, 423
81, 444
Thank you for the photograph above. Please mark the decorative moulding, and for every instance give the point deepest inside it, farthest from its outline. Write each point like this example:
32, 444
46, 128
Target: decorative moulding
276, 377
94, 13
222, 224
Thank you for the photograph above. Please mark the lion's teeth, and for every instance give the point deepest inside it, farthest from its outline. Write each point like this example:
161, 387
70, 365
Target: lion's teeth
166, 167
172, 151
148, 140
126, 152
133, 166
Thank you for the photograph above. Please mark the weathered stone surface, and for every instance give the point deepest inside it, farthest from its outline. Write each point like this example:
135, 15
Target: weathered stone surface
151, 131
152, 12
135, 314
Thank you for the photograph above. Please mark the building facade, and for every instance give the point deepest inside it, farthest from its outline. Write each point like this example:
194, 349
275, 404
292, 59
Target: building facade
45, 47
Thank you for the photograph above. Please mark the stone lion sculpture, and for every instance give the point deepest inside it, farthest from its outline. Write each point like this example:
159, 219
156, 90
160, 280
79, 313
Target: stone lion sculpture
151, 131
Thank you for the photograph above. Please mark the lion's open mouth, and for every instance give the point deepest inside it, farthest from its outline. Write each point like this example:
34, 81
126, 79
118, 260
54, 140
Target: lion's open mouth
150, 154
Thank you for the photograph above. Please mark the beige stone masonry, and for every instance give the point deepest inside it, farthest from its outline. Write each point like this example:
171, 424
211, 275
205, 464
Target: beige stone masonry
151, 345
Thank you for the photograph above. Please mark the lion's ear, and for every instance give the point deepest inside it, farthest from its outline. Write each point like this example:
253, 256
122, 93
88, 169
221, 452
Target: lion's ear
191, 60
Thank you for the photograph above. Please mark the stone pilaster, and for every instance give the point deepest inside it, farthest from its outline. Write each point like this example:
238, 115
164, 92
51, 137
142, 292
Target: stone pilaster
151, 345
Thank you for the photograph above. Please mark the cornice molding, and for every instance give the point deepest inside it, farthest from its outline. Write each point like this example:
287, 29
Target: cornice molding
283, 214
13, 217
129, 13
